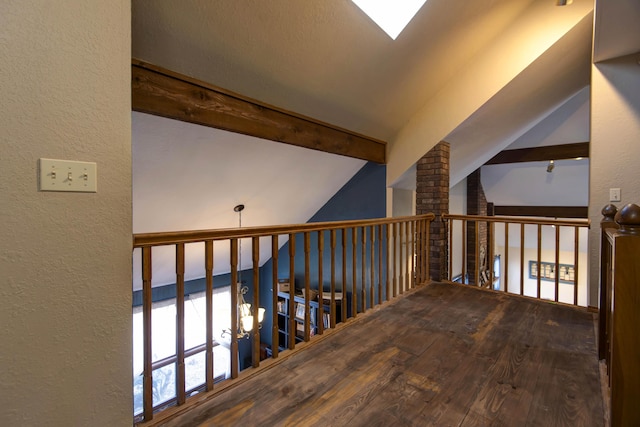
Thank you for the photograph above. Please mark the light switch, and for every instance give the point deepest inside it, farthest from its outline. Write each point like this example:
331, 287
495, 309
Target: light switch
614, 195
68, 175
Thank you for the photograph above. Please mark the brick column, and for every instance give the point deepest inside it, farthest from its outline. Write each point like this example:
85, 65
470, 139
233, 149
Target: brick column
476, 205
432, 195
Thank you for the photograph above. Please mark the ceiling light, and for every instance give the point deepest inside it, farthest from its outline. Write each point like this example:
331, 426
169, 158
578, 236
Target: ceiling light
391, 16
245, 314
550, 166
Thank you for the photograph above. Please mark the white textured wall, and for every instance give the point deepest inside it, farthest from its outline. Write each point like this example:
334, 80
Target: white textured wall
65, 258
529, 184
457, 206
615, 145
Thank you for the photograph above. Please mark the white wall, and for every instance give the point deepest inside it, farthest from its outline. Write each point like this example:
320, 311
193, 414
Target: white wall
529, 184
65, 258
457, 206
615, 144
568, 124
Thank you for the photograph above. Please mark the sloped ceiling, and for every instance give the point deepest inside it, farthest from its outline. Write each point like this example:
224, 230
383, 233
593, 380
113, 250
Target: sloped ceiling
327, 60
324, 59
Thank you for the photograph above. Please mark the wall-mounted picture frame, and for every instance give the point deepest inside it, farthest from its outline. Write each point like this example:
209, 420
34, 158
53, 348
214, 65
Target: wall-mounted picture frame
547, 271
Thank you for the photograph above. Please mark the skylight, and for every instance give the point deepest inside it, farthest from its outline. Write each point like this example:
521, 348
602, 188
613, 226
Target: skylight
390, 15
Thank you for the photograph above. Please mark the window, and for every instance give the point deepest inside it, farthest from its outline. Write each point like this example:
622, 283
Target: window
163, 330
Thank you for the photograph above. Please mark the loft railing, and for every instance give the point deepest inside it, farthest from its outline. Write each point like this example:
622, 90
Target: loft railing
539, 258
391, 255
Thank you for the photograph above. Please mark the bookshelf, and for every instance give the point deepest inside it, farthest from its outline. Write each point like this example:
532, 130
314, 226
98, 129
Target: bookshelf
316, 315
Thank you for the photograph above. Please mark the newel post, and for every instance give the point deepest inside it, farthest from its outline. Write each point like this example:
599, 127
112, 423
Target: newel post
608, 214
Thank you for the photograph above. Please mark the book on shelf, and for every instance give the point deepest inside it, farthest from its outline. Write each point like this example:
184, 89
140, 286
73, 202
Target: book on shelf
326, 296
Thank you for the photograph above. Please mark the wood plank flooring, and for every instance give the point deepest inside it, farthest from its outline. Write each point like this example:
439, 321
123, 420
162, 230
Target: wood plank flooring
444, 355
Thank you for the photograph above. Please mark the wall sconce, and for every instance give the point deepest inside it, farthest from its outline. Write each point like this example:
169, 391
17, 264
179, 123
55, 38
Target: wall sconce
550, 166
563, 2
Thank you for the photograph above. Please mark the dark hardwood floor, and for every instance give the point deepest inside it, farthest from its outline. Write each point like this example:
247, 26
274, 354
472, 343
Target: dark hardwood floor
444, 355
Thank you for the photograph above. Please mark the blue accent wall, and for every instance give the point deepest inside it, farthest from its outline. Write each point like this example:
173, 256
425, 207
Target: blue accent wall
362, 197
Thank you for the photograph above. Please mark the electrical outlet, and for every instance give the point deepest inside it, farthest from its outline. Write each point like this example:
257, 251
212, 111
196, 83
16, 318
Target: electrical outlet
67, 175
614, 195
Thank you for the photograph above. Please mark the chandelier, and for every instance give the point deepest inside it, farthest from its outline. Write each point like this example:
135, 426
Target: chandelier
244, 313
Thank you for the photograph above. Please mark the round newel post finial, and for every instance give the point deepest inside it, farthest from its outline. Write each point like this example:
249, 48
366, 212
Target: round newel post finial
629, 219
609, 212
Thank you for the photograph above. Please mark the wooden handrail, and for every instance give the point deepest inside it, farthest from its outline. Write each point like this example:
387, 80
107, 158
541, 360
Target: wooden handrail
174, 237
519, 220
399, 240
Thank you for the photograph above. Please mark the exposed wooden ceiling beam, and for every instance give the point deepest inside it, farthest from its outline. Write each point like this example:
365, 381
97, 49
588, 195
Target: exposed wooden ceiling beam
165, 93
541, 154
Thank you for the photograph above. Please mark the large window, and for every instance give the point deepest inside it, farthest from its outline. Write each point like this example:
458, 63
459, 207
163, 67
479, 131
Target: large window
163, 330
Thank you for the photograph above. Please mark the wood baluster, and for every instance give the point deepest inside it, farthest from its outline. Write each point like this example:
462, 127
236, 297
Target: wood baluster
576, 256
255, 306
380, 228
413, 242
395, 259
363, 261
344, 274
372, 265
332, 242
354, 268
320, 314
307, 285
208, 257
147, 379
506, 257
539, 257
450, 226
476, 264
521, 259
401, 267
464, 252
275, 335
407, 254
427, 250
389, 266
234, 307
180, 374
292, 287
490, 261
417, 247
557, 266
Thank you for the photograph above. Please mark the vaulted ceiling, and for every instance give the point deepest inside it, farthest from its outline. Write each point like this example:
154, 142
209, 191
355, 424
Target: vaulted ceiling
476, 73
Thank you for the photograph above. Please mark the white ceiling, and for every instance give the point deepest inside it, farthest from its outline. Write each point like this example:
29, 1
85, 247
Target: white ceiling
327, 60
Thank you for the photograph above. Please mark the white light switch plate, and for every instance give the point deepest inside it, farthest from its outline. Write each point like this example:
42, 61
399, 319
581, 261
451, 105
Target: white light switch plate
68, 175
614, 195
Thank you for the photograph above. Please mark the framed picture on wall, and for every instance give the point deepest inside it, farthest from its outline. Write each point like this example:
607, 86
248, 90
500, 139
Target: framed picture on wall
547, 271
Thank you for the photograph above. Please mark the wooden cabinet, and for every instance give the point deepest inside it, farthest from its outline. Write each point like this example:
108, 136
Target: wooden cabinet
620, 314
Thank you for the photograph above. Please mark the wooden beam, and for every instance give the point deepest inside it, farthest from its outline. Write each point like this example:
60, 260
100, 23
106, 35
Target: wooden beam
164, 93
543, 211
541, 154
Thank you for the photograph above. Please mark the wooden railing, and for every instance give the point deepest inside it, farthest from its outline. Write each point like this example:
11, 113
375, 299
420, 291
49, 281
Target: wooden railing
490, 254
619, 342
391, 255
